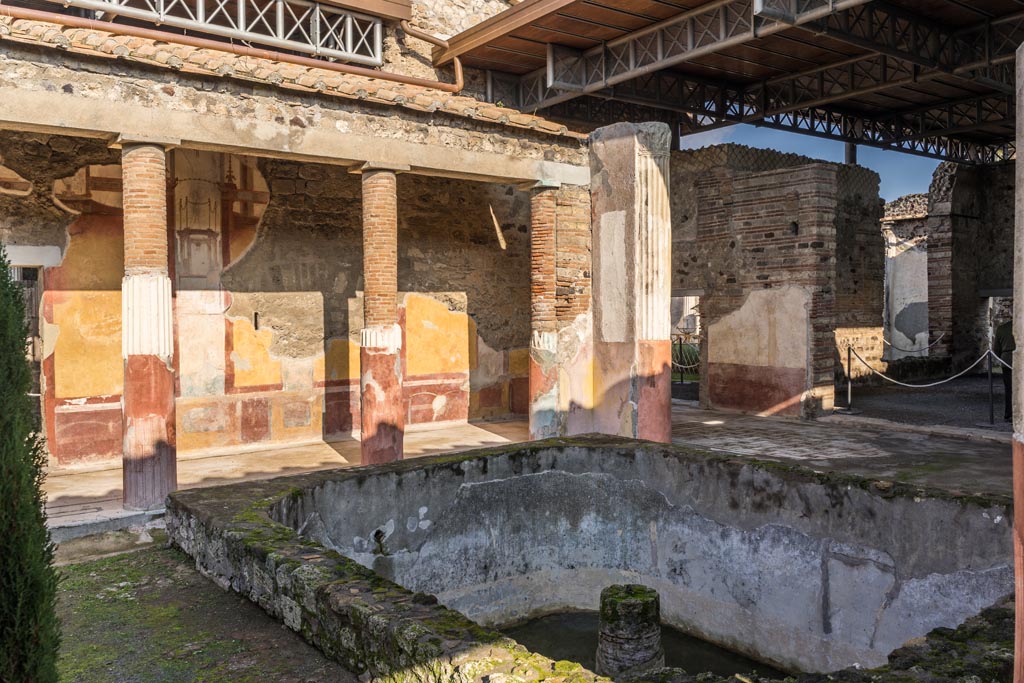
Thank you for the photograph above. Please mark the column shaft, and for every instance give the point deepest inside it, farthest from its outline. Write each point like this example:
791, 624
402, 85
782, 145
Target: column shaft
149, 467
1017, 389
544, 410
632, 285
382, 406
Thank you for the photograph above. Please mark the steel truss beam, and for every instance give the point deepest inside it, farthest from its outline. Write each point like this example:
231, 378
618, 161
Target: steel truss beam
902, 49
921, 131
299, 25
977, 53
701, 31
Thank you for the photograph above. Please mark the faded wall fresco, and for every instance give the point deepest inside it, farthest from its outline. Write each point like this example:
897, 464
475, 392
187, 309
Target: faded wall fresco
267, 278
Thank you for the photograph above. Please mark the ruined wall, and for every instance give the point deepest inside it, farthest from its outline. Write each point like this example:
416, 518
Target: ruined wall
405, 54
905, 231
970, 246
860, 271
80, 317
267, 275
293, 310
758, 231
806, 571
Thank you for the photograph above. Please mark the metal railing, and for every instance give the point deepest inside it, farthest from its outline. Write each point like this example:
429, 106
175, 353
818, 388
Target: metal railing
295, 25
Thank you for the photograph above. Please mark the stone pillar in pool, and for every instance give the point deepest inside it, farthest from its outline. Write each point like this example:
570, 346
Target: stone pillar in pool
382, 408
632, 255
1018, 386
629, 636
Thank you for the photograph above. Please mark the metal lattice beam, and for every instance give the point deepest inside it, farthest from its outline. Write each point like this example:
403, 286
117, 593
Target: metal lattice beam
902, 49
924, 131
975, 54
701, 31
298, 25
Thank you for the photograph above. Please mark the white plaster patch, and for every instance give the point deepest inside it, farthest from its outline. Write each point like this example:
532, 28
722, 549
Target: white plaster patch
613, 302
770, 329
147, 328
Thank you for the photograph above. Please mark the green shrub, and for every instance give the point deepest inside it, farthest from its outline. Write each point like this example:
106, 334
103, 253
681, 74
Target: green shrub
29, 630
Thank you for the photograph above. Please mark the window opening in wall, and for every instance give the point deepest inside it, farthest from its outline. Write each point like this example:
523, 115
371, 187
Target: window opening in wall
28, 278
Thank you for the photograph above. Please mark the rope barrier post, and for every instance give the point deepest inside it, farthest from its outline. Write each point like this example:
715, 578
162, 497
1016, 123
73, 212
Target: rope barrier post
849, 377
991, 393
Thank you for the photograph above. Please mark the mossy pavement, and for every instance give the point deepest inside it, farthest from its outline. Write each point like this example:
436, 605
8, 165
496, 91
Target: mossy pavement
149, 617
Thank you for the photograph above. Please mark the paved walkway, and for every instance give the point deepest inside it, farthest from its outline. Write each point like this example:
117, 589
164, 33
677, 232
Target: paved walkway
958, 464
963, 465
94, 495
963, 402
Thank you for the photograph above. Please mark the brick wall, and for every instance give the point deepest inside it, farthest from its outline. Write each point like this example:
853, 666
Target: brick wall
380, 247
860, 271
970, 252
573, 262
747, 220
145, 209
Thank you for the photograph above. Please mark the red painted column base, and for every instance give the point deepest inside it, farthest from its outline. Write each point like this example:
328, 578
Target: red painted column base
150, 463
1018, 553
654, 390
382, 410
544, 413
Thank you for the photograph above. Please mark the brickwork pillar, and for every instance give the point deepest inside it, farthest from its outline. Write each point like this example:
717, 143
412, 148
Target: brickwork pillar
545, 417
150, 468
382, 407
632, 286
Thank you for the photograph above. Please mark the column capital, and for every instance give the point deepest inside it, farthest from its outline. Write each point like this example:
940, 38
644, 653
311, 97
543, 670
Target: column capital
545, 184
125, 139
359, 169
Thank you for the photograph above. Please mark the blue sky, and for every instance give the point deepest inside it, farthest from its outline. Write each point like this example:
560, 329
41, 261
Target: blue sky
901, 173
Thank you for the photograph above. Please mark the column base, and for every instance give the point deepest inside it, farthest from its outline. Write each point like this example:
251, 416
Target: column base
654, 391
545, 417
382, 409
150, 457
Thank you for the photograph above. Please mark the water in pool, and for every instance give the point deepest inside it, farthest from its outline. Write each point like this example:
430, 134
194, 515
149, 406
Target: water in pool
573, 636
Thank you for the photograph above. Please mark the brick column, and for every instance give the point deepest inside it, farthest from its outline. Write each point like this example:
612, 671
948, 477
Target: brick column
545, 417
632, 286
380, 382
150, 468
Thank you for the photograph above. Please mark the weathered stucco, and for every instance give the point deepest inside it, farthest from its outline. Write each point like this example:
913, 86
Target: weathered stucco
807, 570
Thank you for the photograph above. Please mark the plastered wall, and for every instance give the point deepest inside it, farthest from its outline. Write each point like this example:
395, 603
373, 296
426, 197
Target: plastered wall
267, 276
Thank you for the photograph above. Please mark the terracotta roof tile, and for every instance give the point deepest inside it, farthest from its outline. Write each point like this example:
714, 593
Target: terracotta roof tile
287, 76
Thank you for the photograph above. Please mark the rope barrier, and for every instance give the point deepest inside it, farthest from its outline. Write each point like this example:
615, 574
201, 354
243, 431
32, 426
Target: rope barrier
1001, 361
683, 366
897, 348
921, 386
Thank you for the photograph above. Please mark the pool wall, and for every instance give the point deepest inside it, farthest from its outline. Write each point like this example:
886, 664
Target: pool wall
806, 571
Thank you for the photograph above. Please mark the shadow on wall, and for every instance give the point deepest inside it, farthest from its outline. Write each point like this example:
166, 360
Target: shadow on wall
293, 309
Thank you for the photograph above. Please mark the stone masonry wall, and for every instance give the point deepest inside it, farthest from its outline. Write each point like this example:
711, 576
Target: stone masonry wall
757, 557
758, 231
970, 246
860, 271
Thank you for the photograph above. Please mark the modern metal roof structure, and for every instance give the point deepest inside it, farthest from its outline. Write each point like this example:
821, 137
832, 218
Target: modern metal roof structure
928, 77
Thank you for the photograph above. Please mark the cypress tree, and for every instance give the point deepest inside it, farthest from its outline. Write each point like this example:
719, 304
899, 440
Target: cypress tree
29, 629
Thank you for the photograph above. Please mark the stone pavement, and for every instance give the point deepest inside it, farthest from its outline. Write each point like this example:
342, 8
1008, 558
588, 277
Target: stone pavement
961, 403
92, 497
955, 464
